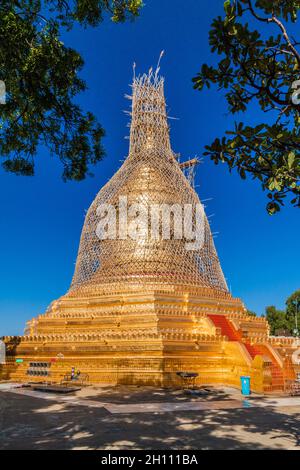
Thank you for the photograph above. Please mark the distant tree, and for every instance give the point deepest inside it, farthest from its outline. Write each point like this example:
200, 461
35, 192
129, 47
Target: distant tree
252, 314
259, 67
277, 319
41, 80
293, 310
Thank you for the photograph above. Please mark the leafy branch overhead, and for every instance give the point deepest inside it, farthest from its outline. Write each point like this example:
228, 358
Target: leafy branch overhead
41, 76
259, 66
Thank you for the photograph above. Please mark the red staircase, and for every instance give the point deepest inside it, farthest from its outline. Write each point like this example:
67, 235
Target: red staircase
220, 321
252, 350
227, 329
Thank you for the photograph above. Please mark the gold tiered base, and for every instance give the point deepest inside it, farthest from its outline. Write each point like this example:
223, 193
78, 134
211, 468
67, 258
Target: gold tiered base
146, 337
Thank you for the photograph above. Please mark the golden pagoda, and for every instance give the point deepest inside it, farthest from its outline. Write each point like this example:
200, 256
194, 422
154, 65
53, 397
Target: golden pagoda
142, 308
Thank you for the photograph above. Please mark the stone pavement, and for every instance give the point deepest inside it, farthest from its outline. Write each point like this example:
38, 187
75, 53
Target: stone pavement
156, 419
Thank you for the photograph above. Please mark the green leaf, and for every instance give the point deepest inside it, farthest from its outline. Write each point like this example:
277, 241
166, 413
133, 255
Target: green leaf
291, 159
227, 7
243, 173
273, 207
240, 9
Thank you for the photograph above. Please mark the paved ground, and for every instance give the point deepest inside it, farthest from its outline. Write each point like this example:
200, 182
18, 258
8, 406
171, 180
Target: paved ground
145, 418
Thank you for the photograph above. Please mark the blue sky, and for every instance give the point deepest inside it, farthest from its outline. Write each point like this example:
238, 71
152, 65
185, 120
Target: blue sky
42, 217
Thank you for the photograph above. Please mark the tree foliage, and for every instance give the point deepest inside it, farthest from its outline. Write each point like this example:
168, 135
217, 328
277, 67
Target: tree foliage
293, 308
41, 76
251, 313
277, 320
259, 66
285, 320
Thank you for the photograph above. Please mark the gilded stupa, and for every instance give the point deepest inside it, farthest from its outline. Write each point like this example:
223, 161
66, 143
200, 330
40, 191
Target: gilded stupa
141, 309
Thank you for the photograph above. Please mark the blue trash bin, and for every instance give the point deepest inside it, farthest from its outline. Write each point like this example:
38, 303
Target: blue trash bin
245, 383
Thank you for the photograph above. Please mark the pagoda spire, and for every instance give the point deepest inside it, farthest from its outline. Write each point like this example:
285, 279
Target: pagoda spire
149, 127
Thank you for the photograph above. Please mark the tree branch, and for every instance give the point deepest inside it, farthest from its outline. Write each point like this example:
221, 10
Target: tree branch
259, 18
286, 37
275, 20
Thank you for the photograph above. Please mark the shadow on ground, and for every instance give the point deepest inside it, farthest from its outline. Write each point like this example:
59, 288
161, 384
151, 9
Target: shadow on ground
123, 394
33, 423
